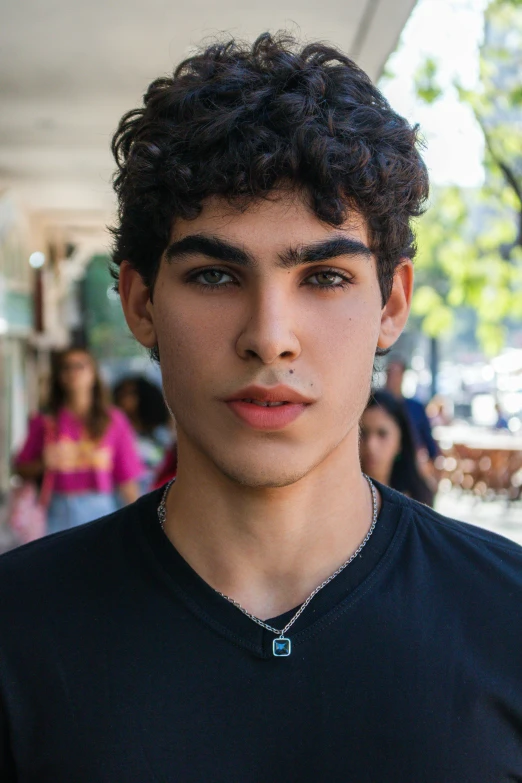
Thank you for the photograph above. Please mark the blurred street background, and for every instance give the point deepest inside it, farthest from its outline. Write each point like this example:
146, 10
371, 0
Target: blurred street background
68, 73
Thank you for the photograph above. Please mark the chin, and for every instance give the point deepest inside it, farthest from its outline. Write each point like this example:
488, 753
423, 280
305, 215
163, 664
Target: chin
269, 478
269, 462
261, 479
270, 473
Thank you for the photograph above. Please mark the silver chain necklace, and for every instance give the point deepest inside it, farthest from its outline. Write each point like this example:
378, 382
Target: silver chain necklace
282, 645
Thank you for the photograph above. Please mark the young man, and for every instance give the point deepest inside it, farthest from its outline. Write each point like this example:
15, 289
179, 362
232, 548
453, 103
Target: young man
271, 616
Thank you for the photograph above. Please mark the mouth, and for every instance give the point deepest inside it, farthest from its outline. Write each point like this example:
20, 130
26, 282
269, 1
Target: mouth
269, 395
263, 404
268, 409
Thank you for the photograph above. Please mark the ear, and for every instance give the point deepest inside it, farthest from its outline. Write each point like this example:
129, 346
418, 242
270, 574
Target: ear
137, 306
397, 309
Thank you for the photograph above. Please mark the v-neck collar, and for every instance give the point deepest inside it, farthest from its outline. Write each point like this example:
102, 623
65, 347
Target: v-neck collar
227, 620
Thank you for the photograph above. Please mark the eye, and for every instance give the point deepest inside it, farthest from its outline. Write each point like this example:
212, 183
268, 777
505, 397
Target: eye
212, 278
328, 278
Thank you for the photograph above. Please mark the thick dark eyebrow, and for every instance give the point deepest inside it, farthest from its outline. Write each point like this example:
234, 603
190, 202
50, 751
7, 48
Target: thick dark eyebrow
210, 246
323, 251
221, 250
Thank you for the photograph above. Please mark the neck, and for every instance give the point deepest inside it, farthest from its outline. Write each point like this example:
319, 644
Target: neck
80, 403
268, 549
382, 476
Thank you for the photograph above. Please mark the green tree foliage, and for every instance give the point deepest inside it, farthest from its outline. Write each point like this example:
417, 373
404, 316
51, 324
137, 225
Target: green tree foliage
470, 242
426, 84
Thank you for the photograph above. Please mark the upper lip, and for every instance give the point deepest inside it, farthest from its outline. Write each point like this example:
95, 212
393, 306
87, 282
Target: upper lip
270, 394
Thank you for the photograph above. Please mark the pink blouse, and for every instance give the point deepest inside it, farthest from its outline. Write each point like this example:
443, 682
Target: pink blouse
85, 464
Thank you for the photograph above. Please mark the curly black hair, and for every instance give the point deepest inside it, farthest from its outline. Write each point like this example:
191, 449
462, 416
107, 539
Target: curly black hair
239, 120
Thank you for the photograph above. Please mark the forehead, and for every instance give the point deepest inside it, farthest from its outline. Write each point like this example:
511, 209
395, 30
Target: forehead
283, 219
75, 356
127, 387
378, 417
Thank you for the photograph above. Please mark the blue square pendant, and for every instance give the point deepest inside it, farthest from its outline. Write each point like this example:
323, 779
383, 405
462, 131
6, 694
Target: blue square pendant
281, 647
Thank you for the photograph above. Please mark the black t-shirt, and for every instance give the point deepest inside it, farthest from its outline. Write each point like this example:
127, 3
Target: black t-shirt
119, 664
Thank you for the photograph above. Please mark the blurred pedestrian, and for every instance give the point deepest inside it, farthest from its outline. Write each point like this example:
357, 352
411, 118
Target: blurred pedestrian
501, 422
144, 406
387, 449
83, 447
419, 422
439, 411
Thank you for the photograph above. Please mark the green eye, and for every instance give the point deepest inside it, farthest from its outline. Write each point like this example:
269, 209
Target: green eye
213, 278
326, 279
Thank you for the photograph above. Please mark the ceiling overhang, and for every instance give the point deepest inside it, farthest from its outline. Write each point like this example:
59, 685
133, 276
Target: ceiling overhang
70, 70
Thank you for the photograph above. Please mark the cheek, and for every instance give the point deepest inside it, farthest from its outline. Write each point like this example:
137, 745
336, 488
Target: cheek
397, 443
191, 342
174, 323
372, 448
197, 340
350, 328
391, 445
342, 344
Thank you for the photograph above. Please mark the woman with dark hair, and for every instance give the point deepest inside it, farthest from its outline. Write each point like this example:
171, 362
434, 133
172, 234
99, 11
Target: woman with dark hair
84, 447
387, 448
144, 406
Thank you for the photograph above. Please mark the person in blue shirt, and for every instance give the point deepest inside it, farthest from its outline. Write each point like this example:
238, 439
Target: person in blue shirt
501, 422
419, 422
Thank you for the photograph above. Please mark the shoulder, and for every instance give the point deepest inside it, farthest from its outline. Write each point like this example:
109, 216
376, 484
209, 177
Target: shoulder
37, 421
35, 435
46, 574
414, 406
460, 552
50, 557
118, 420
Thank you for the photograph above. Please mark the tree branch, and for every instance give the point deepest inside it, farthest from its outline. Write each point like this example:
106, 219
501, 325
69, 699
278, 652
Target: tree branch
512, 182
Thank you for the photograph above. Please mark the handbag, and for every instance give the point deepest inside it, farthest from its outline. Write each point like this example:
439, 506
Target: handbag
27, 504
26, 514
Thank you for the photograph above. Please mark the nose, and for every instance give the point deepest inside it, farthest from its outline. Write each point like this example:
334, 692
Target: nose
268, 333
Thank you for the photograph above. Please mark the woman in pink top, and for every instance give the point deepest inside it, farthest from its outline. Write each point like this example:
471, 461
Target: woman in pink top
85, 448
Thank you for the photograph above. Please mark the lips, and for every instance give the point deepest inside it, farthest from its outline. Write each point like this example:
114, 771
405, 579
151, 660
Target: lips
268, 409
264, 404
267, 394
